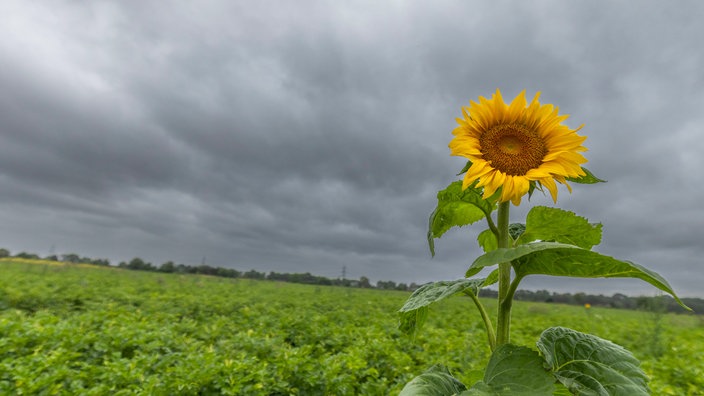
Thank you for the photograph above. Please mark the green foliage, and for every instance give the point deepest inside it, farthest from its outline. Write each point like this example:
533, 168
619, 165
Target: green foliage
436, 381
557, 225
589, 178
456, 207
71, 329
589, 365
487, 240
514, 371
67, 329
559, 259
465, 168
415, 311
515, 230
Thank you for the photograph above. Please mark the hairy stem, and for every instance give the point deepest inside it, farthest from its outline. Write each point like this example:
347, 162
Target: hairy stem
492, 226
487, 321
503, 323
512, 289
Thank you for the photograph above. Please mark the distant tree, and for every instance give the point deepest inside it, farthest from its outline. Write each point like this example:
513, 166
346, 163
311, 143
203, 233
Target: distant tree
342, 282
206, 270
488, 293
139, 264
181, 269
402, 286
26, 255
542, 295
252, 274
70, 258
388, 285
364, 282
228, 273
579, 298
136, 264
100, 262
167, 267
185, 269
51, 257
275, 276
4, 252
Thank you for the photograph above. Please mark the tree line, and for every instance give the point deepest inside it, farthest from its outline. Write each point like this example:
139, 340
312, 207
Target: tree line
169, 267
660, 303
663, 303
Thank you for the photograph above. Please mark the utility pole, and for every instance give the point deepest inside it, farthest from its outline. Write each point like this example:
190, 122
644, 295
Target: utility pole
344, 272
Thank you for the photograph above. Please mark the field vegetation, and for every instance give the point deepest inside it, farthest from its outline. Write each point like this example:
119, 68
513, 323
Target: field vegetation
93, 330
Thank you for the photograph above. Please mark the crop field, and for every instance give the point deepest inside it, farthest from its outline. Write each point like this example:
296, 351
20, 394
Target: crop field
79, 329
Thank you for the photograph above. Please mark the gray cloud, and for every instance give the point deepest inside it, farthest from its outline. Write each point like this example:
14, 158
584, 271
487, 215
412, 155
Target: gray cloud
308, 136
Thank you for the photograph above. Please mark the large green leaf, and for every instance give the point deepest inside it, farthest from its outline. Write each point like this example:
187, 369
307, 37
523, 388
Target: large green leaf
589, 178
557, 225
504, 255
456, 207
581, 263
589, 365
559, 259
436, 381
514, 370
415, 310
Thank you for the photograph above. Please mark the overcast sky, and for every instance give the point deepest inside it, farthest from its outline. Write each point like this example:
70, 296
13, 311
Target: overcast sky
304, 136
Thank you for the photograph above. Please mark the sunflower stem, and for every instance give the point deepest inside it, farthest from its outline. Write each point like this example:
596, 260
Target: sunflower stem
492, 226
503, 322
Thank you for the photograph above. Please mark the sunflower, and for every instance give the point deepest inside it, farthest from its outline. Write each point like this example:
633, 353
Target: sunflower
512, 147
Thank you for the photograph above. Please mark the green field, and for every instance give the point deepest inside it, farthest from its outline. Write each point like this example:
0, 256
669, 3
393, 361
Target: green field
79, 329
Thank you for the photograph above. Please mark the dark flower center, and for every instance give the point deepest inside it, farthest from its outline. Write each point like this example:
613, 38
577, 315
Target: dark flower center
512, 148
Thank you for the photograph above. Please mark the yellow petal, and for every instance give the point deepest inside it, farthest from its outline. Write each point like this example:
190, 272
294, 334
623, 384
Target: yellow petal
549, 183
517, 106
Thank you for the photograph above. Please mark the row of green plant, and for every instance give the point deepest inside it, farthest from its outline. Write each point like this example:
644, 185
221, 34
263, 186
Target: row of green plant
73, 329
617, 300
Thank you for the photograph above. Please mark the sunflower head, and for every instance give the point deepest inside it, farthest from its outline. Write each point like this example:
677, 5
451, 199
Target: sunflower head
515, 146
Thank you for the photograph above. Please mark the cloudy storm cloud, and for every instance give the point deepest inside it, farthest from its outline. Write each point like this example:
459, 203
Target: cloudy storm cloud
308, 136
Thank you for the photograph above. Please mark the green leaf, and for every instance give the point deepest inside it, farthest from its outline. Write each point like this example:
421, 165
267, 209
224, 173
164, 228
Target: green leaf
531, 189
466, 167
559, 259
492, 278
557, 225
514, 370
516, 230
589, 178
487, 240
589, 365
436, 381
456, 207
415, 310
504, 255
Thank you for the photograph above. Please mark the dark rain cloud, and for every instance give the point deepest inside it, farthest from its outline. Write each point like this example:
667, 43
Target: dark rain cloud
309, 136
